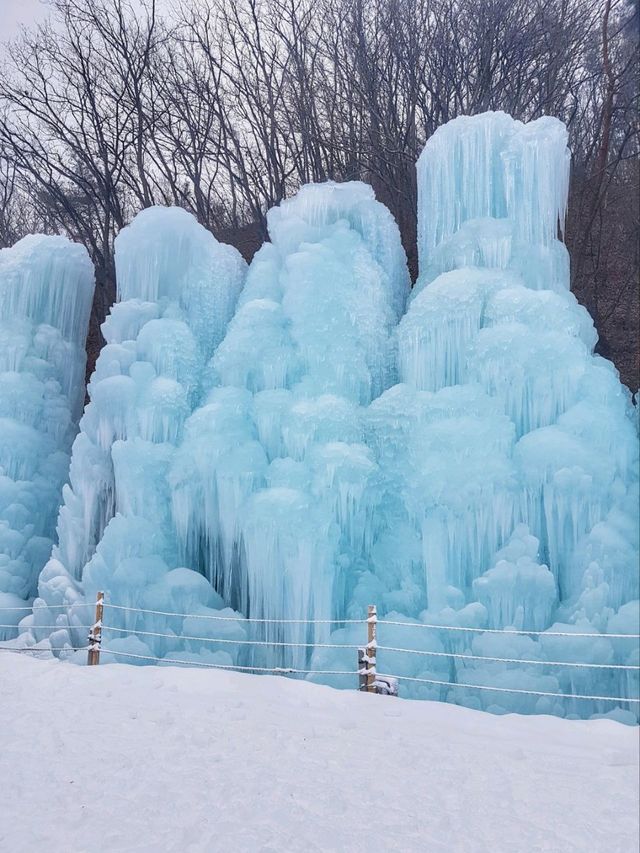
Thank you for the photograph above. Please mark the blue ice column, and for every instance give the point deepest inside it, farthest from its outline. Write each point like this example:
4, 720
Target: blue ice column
521, 459
46, 290
177, 289
274, 485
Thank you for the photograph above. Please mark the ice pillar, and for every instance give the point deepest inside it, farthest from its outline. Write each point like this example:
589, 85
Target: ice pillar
273, 481
46, 290
177, 289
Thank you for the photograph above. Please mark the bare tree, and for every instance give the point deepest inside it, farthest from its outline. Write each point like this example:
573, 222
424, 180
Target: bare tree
226, 108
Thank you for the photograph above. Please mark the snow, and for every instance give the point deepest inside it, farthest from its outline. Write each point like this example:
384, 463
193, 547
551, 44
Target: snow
176, 759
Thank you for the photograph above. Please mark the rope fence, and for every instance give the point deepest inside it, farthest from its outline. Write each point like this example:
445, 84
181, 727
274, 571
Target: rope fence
234, 618
231, 642
512, 689
282, 670
35, 650
369, 678
457, 656
29, 608
507, 631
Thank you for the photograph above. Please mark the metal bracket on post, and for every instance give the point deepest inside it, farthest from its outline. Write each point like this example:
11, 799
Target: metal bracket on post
95, 634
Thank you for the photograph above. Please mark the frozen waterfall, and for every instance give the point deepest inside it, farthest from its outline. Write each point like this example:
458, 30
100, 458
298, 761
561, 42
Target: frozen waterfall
274, 485
297, 440
46, 290
514, 458
177, 289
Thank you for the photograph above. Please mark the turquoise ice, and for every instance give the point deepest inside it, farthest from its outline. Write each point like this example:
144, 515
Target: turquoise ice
46, 290
296, 442
177, 289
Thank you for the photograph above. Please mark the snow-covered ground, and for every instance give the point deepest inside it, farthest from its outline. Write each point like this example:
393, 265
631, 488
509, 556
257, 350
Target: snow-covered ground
119, 758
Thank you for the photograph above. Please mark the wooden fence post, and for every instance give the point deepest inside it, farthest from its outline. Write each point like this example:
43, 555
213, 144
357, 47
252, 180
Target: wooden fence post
372, 620
95, 634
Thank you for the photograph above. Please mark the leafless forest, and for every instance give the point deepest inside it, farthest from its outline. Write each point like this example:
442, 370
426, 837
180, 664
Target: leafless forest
226, 106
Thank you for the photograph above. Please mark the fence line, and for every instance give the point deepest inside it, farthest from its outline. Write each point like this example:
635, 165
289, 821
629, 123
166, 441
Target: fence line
290, 670
30, 608
35, 649
53, 627
458, 656
513, 689
274, 669
237, 618
510, 631
434, 627
511, 660
370, 679
229, 641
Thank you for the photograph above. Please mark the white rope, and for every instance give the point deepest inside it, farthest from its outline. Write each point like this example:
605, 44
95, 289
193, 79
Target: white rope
233, 642
507, 631
277, 669
51, 627
31, 608
46, 651
382, 648
594, 635
507, 689
510, 660
239, 618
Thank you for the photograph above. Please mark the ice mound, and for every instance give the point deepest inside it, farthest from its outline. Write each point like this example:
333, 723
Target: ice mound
273, 483
245, 462
46, 290
317, 207
527, 345
177, 289
517, 590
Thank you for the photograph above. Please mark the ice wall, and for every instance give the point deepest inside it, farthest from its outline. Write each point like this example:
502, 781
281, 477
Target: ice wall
509, 451
274, 485
46, 290
467, 462
177, 289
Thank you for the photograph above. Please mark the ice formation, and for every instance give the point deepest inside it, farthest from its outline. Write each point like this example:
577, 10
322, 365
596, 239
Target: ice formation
46, 290
274, 485
507, 453
514, 455
460, 458
177, 289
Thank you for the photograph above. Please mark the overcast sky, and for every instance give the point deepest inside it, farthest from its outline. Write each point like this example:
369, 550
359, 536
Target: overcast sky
13, 13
